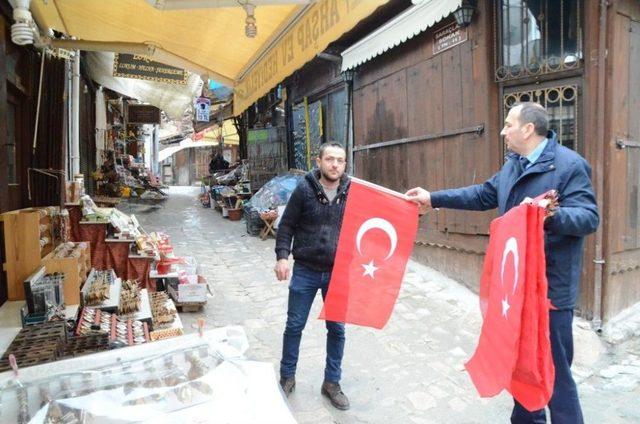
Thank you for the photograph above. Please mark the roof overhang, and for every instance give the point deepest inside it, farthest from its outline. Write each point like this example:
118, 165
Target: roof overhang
408, 24
207, 38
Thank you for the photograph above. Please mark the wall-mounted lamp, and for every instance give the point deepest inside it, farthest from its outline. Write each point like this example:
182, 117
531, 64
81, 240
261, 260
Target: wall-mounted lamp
348, 75
464, 14
250, 28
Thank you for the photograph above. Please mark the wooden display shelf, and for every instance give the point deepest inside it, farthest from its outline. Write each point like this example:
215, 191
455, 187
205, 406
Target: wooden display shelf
22, 246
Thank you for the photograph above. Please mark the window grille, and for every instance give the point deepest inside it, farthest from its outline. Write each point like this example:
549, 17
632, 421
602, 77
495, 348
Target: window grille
561, 103
536, 37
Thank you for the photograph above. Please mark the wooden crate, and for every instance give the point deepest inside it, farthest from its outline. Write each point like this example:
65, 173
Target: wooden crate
75, 270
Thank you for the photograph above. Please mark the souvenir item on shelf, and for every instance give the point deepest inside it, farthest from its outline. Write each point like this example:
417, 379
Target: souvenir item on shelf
129, 297
99, 290
102, 289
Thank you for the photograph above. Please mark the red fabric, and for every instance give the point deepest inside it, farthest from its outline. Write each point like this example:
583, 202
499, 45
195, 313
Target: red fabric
96, 234
117, 257
375, 242
75, 216
514, 351
138, 269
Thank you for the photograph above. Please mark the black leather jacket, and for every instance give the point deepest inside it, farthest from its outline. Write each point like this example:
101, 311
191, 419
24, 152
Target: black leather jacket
313, 223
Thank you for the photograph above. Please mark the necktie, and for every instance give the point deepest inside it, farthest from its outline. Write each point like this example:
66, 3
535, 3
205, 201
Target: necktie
524, 162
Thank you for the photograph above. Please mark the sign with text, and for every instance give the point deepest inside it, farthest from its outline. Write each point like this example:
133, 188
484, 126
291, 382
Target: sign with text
143, 114
447, 37
141, 67
325, 21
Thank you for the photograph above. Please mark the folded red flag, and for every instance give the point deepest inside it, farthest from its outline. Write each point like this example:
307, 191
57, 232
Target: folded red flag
514, 351
376, 240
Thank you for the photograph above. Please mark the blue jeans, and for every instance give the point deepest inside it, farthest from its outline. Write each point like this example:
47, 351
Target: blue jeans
304, 285
564, 405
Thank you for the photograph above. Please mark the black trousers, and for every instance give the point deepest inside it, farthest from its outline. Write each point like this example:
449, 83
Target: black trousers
564, 405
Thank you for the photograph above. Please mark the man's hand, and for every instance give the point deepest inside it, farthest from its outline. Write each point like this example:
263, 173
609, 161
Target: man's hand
282, 269
422, 197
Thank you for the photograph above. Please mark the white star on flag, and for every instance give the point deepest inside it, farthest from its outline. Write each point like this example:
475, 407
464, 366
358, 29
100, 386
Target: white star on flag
505, 307
369, 269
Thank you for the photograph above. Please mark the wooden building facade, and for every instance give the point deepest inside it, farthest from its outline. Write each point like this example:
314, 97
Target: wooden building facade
428, 113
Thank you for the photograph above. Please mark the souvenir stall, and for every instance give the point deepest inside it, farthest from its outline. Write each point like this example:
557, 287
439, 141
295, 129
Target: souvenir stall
76, 297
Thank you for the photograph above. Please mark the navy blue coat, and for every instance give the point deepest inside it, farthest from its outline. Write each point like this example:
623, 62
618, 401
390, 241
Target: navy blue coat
557, 168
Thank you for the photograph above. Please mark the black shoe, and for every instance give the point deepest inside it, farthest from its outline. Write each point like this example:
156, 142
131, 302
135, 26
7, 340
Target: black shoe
336, 396
288, 385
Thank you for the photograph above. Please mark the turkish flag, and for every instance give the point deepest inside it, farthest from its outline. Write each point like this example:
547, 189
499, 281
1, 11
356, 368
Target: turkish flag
514, 350
376, 240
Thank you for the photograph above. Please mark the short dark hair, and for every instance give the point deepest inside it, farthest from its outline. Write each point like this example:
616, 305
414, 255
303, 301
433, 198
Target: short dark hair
536, 114
325, 146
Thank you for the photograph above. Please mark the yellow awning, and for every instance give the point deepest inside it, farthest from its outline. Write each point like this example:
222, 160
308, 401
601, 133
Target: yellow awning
229, 134
209, 41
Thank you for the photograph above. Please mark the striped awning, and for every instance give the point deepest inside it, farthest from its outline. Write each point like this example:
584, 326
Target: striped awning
418, 18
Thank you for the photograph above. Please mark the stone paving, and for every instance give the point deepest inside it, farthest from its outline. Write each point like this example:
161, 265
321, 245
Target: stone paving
411, 371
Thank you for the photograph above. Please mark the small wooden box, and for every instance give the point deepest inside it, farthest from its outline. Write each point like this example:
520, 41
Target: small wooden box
75, 270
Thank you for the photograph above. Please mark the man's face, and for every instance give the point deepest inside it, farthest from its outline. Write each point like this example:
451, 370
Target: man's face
332, 163
515, 134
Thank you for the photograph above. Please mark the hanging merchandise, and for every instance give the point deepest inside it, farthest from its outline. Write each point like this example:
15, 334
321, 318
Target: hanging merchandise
203, 108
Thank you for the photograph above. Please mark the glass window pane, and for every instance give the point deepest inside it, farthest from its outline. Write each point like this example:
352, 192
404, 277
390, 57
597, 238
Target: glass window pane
539, 36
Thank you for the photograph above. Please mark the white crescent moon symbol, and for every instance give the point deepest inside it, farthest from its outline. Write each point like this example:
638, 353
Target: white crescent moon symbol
382, 224
511, 246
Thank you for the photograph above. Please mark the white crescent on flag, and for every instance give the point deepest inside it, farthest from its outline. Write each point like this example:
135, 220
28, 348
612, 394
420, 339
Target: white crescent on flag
510, 247
383, 225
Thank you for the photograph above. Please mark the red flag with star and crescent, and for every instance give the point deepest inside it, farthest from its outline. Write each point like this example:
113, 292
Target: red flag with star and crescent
376, 240
514, 350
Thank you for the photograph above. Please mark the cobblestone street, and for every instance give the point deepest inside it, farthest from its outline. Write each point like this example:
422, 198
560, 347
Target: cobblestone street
411, 371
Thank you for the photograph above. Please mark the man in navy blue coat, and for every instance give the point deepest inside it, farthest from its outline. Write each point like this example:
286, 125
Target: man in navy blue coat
536, 164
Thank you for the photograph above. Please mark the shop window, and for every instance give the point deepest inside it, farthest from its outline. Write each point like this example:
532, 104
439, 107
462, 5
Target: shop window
561, 102
536, 37
11, 144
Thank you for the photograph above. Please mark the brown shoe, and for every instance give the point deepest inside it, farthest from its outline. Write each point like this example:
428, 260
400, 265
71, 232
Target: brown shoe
288, 385
336, 396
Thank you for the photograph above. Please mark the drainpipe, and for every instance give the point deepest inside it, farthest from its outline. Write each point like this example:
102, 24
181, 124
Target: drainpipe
75, 115
156, 150
348, 133
600, 152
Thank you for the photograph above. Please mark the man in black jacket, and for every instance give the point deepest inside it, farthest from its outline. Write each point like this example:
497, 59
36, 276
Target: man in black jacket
312, 220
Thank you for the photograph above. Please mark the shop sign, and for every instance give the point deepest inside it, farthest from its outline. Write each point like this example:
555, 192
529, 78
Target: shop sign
447, 37
143, 114
324, 22
203, 107
141, 67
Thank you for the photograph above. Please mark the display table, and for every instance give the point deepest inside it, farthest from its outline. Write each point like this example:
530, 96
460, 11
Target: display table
10, 323
138, 268
193, 378
159, 281
75, 216
117, 255
96, 234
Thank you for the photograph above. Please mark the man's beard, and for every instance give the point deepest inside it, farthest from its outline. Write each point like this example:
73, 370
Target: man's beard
328, 178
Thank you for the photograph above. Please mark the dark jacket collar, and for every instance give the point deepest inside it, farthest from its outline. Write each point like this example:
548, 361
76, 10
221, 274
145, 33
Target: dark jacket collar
547, 154
313, 177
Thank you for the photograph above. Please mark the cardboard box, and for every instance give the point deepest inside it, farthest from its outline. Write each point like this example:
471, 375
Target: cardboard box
185, 293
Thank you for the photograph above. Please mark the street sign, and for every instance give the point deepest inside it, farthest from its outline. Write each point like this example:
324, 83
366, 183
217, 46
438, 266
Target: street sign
447, 37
